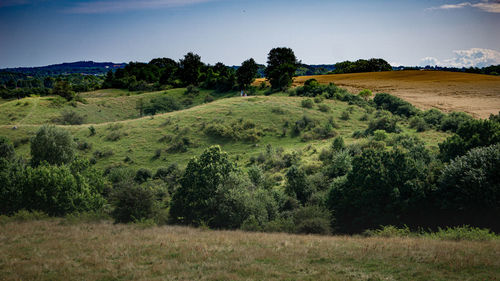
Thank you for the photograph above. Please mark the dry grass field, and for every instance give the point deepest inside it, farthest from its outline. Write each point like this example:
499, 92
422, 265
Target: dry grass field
56, 249
478, 95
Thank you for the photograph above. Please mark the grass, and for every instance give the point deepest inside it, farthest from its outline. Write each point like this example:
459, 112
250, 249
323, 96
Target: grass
139, 139
54, 250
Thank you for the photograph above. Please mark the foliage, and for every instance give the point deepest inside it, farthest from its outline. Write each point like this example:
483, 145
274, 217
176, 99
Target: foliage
312, 220
6, 148
132, 203
297, 185
365, 94
395, 105
281, 66
63, 88
452, 121
371, 65
143, 175
161, 104
246, 73
203, 175
469, 188
470, 134
189, 69
52, 144
307, 103
385, 122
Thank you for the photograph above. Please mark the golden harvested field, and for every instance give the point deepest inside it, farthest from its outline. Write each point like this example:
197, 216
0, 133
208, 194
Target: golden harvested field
56, 249
476, 94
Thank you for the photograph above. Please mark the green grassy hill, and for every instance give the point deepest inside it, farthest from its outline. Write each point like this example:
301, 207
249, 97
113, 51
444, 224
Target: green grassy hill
242, 126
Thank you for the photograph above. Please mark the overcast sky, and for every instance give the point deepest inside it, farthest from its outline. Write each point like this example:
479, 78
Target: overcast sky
452, 33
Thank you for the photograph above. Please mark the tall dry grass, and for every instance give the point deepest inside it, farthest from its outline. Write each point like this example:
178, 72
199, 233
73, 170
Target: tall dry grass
56, 250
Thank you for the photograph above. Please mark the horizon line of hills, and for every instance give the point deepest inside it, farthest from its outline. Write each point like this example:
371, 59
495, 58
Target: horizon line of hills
101, 68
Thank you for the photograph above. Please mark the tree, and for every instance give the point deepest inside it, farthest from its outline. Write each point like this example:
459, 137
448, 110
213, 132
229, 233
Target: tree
192, 202
297, 185
63, 89
6, 148
52, 144
365, 94
281, 66
190, 68
246, 73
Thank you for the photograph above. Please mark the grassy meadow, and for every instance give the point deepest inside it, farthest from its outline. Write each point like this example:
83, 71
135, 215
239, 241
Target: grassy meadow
59, 249
125, 138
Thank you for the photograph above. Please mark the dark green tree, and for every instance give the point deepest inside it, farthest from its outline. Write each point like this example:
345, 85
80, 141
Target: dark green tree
281, 66
246, 73
63, 89
190, 68
192, 202
297, 185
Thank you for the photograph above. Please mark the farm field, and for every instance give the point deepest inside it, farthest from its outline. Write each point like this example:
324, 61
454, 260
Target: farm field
57, 249
476, 94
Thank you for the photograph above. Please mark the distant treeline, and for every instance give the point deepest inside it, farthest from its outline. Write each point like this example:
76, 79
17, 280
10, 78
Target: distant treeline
81, 67
488, 70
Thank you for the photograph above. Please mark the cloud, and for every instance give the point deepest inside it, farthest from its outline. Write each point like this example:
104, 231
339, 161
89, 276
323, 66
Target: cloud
112, 6
476, 57
491, 6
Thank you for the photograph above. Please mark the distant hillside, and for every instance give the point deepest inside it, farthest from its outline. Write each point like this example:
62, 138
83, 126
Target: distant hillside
83, 67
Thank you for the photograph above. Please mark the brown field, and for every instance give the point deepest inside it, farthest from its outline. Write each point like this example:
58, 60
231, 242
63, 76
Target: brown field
478, 95
56, 249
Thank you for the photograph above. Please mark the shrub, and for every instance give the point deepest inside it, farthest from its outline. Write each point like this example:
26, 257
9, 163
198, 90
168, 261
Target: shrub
161, 104
297, 186
278, 110
365, 94
143, 175
256, 175
83, 145
323, 108
386, 122
307, 103
470, 134
52, 144
345, 116
339, 165
395, 105
433, 117
338, 143
312, 220
452, 121
209, 98
70, 118
379, 135
91, 131
103, 153
191, 89
131, 203
469, 188
113, 136
389, 231
6, 148
462, 233
418, 123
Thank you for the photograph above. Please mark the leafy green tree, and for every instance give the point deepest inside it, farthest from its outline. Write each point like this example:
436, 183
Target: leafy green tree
281, 66
190, 68
246, 73
297, 185
63, 88
470, 134
132, 202
192, 202
52, 144
6, 148
469, 188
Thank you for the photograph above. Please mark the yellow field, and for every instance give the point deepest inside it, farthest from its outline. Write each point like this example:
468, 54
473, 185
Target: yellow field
478, 95
56, 249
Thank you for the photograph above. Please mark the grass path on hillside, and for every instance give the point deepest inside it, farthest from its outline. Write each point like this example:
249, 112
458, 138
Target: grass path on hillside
58, 250
32, 109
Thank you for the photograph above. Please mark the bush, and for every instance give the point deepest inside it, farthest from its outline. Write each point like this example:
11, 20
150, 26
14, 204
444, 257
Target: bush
345, 116
143, 175
312, 220
469, 188
52, 144
161, 104
379, 135
6, 148
323, 108
91, 131
395, 105
113, 136
297, 186
460, 233
132, 203
339, 165
70, 118
389, 231
365, 94
452, 121
433, 117
386, 122
307, 103
418, 123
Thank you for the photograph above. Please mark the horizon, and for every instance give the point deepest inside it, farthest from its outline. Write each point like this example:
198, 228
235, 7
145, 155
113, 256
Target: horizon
409, 33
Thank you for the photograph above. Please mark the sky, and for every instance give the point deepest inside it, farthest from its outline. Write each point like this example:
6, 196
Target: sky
424, 32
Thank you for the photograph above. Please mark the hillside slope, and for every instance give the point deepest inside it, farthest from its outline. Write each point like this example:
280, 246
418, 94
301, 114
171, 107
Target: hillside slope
242, 126
476, 94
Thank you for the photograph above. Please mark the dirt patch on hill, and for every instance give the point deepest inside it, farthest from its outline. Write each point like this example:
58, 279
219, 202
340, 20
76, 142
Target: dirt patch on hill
478, 95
